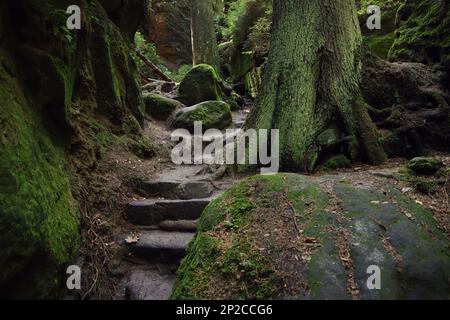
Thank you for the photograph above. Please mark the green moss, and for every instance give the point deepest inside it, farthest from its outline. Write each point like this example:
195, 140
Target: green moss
132, 138
114, 69
236, 267
336, 162
192, 276
37, 214
224, 261
423, 34
423, 165
201, 83
212, 114
160, 107
380, 45
368, 135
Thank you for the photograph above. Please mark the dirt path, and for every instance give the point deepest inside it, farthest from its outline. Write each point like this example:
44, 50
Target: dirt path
163, 222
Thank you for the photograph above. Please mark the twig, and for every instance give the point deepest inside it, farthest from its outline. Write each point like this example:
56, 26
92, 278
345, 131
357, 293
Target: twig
295, 219
92, 286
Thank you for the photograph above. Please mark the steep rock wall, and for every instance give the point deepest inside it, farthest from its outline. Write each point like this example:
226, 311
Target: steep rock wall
59, 91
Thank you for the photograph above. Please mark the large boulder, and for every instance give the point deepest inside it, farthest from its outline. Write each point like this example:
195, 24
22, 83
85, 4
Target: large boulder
289, 236
201, 83
160, 107
212, 114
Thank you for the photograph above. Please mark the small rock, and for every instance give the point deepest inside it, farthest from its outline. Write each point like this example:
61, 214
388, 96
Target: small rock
406, 190
423, 165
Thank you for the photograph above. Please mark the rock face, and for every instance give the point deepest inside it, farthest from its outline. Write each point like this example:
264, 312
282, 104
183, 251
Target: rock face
422, 165
201, 83
54, 88
160, 107
408, 103
293, 237
423, 34
212, 114
128, 15
170, 30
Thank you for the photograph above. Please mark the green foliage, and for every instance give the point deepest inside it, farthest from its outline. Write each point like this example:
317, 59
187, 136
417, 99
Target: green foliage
179, 75
148, 49
423, 34
248, 24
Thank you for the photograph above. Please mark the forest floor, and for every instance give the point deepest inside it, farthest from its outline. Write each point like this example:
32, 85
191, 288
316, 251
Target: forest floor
107, 236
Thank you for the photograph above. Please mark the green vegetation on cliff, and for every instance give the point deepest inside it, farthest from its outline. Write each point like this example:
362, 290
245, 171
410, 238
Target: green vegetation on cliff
66, 97
38, 218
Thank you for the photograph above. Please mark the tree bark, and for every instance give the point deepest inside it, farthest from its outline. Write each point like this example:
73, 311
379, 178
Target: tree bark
312, 83
204, 41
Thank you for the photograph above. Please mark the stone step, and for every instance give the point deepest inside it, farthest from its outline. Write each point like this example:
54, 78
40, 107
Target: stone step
179, 225
178, 190
148, 285
152, 212
161, 245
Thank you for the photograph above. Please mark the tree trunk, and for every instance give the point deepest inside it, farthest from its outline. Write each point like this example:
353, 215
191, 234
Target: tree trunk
204, 42
312, 84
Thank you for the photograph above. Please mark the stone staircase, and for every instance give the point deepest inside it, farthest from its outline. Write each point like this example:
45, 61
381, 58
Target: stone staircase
166, 223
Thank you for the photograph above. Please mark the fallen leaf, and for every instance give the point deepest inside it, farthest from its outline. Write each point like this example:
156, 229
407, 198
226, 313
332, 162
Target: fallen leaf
131, 239
311, 240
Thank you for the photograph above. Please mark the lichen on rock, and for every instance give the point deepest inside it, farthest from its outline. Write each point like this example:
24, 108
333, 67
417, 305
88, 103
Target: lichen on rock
289, 236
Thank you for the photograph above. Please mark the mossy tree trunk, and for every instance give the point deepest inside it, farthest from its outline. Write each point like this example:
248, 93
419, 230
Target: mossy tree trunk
312, 84
203, 33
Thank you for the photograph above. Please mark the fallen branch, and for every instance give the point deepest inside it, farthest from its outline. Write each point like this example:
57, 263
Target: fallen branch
144, 79
153, 67
299, 232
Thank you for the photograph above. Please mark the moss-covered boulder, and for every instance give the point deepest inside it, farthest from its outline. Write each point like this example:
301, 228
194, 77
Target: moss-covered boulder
160, 107
201, 83
336, 162
423, 165
288, 236
212, 114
